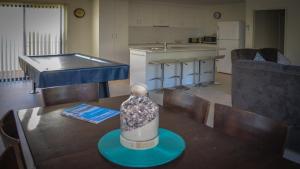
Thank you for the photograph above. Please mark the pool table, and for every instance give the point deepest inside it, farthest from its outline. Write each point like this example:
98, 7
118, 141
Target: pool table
74, 68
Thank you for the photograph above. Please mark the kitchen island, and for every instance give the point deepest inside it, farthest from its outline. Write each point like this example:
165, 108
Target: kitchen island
142, 69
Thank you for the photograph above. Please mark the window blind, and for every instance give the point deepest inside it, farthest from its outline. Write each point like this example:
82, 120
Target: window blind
28, 29
43, 27
11, 42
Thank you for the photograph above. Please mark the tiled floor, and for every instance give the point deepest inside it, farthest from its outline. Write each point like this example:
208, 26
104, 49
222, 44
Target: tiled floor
219, 93
16, 95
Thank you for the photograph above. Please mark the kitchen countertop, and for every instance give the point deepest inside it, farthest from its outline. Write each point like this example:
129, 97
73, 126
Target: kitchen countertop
174, 48
134, 45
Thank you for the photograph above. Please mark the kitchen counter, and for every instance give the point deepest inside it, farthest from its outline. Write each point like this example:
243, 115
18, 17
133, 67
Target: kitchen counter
173, 47
142, 69
137, 45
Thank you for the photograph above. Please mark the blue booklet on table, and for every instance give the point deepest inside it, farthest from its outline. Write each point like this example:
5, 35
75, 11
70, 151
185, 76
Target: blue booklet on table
90, 113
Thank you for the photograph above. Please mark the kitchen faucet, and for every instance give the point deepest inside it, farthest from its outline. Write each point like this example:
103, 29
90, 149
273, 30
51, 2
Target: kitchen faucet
165, 45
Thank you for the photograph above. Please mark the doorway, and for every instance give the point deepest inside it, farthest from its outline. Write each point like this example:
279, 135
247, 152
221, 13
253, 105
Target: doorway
269, 29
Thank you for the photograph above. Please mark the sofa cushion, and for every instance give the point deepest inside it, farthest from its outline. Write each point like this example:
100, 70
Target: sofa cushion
270, 54
259, 57
281, 59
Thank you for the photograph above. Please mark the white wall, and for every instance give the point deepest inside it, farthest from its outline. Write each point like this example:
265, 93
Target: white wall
79, 29
230, 12
292, 35
160, 34
95, 28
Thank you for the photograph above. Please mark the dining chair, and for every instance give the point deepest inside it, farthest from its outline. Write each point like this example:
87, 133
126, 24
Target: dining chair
71, 93
10, 137
197, 107
250, 126
8, 159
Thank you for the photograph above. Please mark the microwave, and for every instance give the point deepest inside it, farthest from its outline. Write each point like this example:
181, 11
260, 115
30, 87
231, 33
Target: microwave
209, 39
194, 40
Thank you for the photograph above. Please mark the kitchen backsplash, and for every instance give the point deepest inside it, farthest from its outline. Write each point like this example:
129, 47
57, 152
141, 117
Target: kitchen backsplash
160, 34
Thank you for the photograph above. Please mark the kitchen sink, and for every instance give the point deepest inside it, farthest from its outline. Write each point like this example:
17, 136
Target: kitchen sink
157, 48
162, 48
177, 47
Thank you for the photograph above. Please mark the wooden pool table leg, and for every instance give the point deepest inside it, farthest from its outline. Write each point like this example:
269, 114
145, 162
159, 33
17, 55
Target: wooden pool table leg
103, 90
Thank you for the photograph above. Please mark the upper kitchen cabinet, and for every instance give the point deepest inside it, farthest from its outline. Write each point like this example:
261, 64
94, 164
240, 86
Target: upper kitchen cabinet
184, 17
113, 30
175, 16
160, 15
189, 16
121, 52
148, 14
140, 14
200, 17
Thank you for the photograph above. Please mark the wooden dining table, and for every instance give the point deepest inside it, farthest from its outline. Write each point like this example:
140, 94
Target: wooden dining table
56, 141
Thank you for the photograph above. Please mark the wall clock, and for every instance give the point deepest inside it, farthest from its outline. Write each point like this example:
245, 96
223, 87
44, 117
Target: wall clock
79, 12
217, 15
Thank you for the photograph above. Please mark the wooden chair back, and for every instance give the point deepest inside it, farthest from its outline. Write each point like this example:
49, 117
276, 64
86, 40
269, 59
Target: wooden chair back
197, 107
249, 126
71, 93
10, 137
8, 126
8, 159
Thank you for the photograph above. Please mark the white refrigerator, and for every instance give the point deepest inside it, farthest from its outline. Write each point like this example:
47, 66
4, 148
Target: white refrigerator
230, 36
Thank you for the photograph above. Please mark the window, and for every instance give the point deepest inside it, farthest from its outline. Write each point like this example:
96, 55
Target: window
28, 29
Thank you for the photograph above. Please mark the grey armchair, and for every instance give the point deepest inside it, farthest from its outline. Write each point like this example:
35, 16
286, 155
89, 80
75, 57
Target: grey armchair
267, 88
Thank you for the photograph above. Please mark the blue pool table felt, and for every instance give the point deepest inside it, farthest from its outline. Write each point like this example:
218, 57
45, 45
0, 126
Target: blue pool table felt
68, 69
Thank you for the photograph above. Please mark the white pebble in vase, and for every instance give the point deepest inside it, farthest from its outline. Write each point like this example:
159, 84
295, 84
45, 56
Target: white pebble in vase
139, 120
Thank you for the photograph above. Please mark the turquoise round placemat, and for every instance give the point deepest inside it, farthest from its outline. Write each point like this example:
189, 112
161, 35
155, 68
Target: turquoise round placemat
169, 148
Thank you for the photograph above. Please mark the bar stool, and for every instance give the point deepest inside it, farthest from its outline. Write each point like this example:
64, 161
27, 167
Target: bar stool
162, 64
214, 65
200, 59
183, 62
